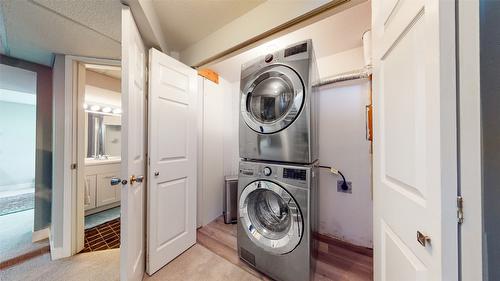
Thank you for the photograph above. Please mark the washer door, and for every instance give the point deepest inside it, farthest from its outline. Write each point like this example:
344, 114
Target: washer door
272, 99
270, 217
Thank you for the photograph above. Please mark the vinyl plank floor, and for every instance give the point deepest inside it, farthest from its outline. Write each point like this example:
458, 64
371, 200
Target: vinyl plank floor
337, 260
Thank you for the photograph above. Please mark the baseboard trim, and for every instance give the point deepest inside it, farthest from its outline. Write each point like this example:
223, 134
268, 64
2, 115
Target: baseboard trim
343, 244
24, 257
40, 235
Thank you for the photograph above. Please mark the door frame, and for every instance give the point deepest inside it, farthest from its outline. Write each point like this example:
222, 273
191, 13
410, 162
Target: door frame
471, 241
72, 222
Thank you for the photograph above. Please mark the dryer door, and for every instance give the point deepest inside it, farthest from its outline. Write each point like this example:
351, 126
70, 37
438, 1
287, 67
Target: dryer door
271, 217
272, 99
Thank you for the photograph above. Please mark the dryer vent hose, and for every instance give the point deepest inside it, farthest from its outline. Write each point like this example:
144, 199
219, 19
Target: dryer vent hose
344, 186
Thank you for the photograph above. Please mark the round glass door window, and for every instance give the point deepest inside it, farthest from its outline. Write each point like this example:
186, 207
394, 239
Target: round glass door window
272, 99
271, 217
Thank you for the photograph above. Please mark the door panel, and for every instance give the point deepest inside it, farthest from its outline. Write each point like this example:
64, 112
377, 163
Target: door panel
171, 199
132, 252
172, 146
415, 182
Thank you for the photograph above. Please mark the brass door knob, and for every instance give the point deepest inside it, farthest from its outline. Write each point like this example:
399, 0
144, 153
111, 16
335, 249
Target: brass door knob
136, 179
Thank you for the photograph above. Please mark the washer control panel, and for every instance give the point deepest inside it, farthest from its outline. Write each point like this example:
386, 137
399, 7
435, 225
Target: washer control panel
294, 174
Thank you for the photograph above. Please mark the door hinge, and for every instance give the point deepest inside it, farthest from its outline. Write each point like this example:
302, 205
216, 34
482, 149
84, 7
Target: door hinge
460, 209
74, 166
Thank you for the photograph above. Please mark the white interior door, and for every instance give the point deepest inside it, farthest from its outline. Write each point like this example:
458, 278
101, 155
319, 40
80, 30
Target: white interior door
172, 147
133, 165
415, 165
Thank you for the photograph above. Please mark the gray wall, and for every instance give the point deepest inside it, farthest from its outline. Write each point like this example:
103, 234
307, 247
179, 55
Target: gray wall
490, 118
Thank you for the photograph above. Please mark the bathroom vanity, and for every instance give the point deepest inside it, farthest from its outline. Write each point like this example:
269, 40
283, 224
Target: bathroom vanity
102, 162
99, 193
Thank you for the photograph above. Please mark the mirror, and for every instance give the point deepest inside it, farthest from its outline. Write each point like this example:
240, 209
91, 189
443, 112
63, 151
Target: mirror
103, 135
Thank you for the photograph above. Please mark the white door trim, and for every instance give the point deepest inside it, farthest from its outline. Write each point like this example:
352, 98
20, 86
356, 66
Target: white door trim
470, 139
72, 223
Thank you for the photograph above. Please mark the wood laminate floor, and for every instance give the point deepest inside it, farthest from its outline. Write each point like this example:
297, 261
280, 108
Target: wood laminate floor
336, 261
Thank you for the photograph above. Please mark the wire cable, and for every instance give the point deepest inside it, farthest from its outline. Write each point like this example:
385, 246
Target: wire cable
344, 185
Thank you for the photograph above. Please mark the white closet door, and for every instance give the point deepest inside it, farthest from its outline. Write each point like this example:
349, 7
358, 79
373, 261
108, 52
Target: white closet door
415, 147
172, 121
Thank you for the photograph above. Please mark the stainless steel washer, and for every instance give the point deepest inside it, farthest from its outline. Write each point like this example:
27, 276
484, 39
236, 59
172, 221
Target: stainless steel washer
277, 216
278, 110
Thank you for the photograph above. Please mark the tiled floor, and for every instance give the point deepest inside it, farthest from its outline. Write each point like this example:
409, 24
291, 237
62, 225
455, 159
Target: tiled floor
103, 237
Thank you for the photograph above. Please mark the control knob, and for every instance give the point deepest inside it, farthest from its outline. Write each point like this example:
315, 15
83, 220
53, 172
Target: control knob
267, 171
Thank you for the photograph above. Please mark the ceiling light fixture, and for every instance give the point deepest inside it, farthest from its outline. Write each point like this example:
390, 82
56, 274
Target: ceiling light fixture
106, 109
95, 108
117, 111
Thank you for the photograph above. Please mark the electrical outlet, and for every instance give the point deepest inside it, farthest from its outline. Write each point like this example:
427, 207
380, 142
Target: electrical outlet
340, 189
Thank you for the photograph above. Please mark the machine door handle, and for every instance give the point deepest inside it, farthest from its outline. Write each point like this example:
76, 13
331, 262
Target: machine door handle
157, 173
136, 179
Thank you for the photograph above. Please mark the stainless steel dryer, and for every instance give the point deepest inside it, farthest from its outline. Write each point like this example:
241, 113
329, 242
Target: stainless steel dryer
277, 216
278, 110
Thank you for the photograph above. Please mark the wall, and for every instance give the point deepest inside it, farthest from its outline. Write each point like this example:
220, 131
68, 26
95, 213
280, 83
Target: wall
342, 144
212, 148
490, 120
102, 89
17, 128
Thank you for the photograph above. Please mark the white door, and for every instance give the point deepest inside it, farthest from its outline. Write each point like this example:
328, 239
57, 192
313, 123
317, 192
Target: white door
132, 259
415, 166
172, 147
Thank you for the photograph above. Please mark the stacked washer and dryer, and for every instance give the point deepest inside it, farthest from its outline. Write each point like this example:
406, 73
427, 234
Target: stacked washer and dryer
278, 175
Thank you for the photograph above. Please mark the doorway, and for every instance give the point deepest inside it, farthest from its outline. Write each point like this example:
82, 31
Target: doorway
17, 143
25, 162
99, 122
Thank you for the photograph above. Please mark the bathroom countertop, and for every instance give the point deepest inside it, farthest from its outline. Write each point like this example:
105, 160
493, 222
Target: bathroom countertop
95, 162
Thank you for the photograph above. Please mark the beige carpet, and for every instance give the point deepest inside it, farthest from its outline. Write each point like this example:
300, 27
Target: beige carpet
93, 266
196, 264
200, 264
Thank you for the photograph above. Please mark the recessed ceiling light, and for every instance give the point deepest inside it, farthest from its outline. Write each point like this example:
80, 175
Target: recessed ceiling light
106, 109
85, 106
95, 108
117, 111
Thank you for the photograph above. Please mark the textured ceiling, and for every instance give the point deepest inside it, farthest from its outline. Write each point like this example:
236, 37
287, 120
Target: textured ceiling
186, 22
36, 29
